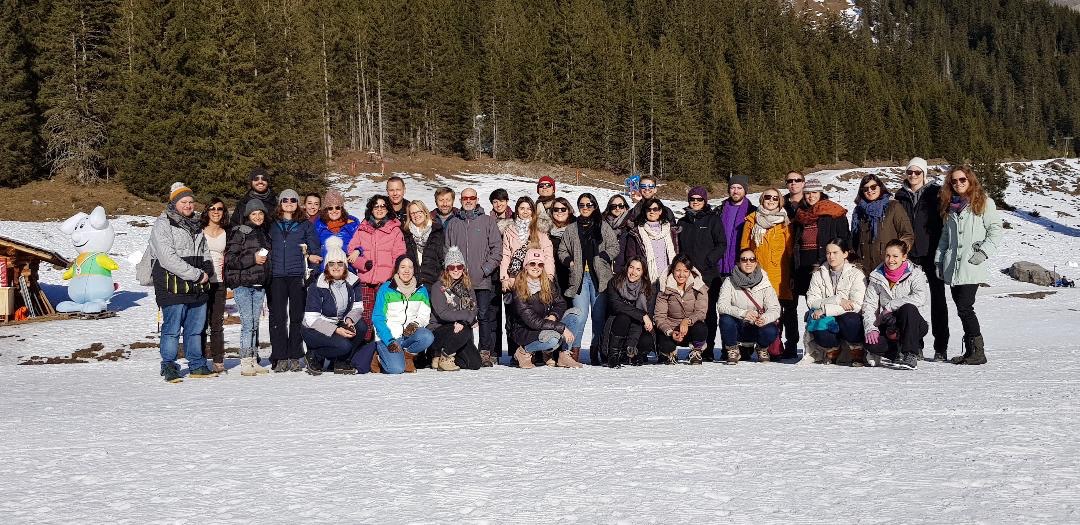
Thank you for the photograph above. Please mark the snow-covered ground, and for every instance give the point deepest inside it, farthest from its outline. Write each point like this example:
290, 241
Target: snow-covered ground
110, 442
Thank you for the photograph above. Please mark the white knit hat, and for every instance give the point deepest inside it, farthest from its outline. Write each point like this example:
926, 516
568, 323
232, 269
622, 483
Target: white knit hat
334, 251
918, 162
453, 256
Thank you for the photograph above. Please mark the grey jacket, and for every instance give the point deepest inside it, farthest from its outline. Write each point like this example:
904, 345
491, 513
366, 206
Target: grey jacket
181, 259
476, 234
570, 250
911, 289
443, 313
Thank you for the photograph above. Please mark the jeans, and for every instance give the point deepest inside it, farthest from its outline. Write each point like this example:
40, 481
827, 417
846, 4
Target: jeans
249, 302
734, 330
552, 340
851, 330
487, 302
589, 299
333, 347
394, 362
191, 318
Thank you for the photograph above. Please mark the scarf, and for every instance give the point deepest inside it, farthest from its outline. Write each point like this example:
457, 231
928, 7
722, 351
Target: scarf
379, 223
190, 224
406, 288
616, 223
823, 208
957, 204
655, 235
732, 216
458, 296
335, 226
420, 236
764, 220
633, 292
506, 214
915, 194
894, 276
522, 228
873, 211
545, 200
534, 285
744, 281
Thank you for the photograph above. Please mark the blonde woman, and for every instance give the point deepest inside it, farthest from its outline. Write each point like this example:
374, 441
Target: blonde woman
424, 242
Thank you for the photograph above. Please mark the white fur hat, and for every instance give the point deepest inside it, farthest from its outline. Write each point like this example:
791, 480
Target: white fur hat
334, 251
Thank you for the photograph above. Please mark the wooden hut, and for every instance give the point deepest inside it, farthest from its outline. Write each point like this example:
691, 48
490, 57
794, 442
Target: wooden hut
19, 262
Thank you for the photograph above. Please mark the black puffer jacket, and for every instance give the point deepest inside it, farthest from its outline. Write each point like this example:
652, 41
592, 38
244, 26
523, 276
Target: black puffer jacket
240, 248
926, 222
431, 265
701, 237
530, 316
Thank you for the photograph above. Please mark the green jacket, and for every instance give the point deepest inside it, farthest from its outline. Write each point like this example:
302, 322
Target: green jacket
959, 237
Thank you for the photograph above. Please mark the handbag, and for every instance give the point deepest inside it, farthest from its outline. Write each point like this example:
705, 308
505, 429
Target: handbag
776, 348
517, 260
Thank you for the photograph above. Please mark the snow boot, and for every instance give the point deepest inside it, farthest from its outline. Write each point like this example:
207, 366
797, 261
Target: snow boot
259, 369
939, 357
734, 353
344, 367
171, 373
696, 349
858, 356
668, 358
566, 359
247, 367
906, 362
448, 362
595, 359
548, 359
410, 362
295, 366
281, 366
219, 368
523, 358
487, 359
435, 362
977, 353
831, 355
762, 353
375, 368
314, 365
615, 357
575, 353
959, 359
201, 372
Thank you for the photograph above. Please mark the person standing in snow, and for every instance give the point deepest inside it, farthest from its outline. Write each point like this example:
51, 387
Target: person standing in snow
312, 206
291, 237
702, 239
768, 233
647, 189
247, 273
732, 213
545, 200
425, 242
652, 239
817, 220
215, 223
920, 198
259, 181
971, 235
796, 182
876, 220
399, 205
373, 251
181, 273
893, 324
500, 208
588, 249
334, 221
444, 210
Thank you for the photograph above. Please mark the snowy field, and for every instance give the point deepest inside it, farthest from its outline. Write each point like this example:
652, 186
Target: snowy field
109, 442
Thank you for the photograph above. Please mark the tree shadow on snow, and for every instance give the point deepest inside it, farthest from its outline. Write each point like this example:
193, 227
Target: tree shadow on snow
1049, 224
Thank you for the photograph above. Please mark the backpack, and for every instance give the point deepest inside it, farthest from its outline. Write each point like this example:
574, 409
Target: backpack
144, 270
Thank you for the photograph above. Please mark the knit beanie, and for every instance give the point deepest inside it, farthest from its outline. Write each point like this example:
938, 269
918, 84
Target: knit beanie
918, 162
739, 180
547, 179
333, 198
698, 191
813, 184
534, 255
288, 194
254, 205
178, 191
333, 250
453, 256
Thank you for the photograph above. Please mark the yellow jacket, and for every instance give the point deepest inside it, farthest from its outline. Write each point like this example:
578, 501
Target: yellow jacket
774, 254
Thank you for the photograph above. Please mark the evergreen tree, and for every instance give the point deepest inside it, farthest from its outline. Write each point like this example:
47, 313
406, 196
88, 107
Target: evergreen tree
18, 137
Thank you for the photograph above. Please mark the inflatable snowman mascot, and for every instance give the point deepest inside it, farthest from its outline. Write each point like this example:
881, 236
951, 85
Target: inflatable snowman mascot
90, 283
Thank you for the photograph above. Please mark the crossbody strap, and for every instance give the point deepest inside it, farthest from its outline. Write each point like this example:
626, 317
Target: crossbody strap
757, 306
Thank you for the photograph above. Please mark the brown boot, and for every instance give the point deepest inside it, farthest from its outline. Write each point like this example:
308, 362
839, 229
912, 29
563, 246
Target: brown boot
831, 354
486, 359
858, 355
566, 359
523, 358
548, 359
375, 368
733, 355
410, 364
447, 364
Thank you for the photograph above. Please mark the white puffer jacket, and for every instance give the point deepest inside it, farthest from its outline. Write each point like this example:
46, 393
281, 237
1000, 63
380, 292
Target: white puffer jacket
822, 294
911, 289
734, 302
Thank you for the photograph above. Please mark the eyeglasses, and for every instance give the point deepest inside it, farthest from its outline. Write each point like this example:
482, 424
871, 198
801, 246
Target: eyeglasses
647, 186
336, 263
770, 197
959, 180
560, 210
535, 264
654, 209
216, 208
795, 181
747, 259
618, 206
289, 200
417, 213
379, 207
588, 205
870, 187
468, 199
697, 199
334, 208
913, 173
544, 185
455, 267
260, 177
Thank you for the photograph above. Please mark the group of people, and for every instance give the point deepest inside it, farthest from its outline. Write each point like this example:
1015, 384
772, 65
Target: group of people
404, 287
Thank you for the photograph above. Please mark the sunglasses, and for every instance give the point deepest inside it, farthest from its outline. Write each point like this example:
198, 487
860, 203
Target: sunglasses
560, 210
697, 199
770, 197
535, 264
654, 209
618, 206
648, 186
289, 200
336, 263
260, 177
379, 207
870, 187
588, 205
747, 259
455, 267
913, 173
960, 180
334, 208
468, 199
544, 185
795, 181
216, 208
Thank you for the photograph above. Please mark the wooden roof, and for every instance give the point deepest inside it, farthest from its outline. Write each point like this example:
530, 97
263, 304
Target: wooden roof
48, 256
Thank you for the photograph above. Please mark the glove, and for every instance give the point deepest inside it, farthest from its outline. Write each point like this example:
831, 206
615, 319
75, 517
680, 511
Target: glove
873, 338
368, 265
410, 329
394, 347
977, 258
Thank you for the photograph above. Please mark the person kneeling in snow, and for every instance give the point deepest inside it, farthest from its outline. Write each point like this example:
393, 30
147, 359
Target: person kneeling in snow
835, 299
892, 322
401, 315
541, 319
333, 317
748, 309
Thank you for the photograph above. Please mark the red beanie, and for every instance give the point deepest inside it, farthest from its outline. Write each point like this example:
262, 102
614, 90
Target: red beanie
547, 179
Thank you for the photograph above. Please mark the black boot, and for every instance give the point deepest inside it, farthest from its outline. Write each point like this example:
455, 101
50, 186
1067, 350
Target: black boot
959, 360
976, 355
616, 346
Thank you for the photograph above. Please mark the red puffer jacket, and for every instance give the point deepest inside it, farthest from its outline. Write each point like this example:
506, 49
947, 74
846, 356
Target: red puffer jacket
381, 246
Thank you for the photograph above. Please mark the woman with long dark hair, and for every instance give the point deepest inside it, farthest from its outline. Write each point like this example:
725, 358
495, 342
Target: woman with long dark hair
629, 332
653, 239
520, 236
562, 216
248, 274
835, 301
680, 311
215, 221
291, 238
972, 234
374, 250
876, 220
588, 249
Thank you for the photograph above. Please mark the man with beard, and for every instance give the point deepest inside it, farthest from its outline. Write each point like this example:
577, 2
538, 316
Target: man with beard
259, 180
647, 190
475, 233
545, 198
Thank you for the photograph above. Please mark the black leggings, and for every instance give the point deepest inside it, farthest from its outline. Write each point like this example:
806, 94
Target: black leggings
964, 297
633, 332
911, 328
215, 320
286, 312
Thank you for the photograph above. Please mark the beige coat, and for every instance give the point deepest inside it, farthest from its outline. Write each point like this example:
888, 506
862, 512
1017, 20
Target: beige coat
735, 303
673, 305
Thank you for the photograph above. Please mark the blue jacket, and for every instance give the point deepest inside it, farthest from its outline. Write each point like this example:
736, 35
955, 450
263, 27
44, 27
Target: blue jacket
320, 312
286, 258
345, 234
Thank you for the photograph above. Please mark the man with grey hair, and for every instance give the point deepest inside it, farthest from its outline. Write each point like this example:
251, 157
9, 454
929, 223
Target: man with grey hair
477, 235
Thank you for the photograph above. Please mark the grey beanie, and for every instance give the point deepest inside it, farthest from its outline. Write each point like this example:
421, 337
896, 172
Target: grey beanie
453, 256
741, 180
289, 194
254, 205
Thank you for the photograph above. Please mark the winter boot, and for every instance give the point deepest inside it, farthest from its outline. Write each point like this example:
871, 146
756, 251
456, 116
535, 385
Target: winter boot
831, 355
314, 365
734, 353
523, 358
247, 367
281, 366
295, 366
708, 355
668, 358
696, 349
219, 368
575, 353
435, 361
410, 362
375, 368
978, 354
633, 356
940, 356
344, 367
171, 373
858, 356
615, 357
259, 369
201, 372
762, 353
549, 360
909, 361
487, 359
594, 356
448, 363
959, 359
566, 359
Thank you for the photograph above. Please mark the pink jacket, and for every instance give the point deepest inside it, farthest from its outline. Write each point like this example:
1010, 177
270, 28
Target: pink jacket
511, 244
382, 246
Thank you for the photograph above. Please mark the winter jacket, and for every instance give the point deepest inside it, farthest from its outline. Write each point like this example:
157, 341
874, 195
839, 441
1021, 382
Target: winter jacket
925, 220
240, 268
286, 257
912, 289
544, 223
445, 310
635, 211
894, 225
958, 243
381, 246
393, 311
511, 243
672, 305
701, 237
828, 229
562, 272
775, 254
436, 218
505, 220
476, 235
431, 257
719, 211
823, 295
530, 316
734, 302
570, 250
345, 234
321, 310
635, 247
180, 260
269, 201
